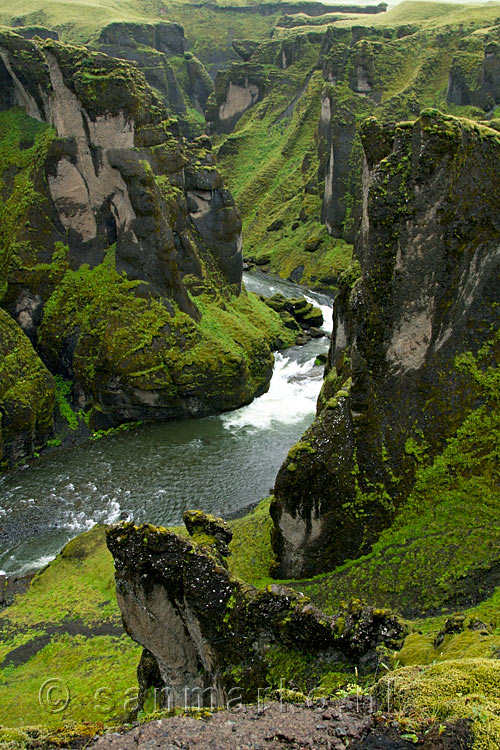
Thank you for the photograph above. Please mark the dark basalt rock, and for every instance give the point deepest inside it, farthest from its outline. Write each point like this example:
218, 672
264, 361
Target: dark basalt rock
151, 45
164, 36
216, 532
29, 32
474, 77
429, 290
120, 224
200, 624
235, 92
296, 311
244, 48
276, 225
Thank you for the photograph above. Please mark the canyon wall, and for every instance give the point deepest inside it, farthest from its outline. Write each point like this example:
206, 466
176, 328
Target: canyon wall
394, 389
120, 247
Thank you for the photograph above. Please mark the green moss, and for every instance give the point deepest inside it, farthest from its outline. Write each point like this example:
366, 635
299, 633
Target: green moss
77, 588
465, 688
284, 184
420, 648
24, 144
300, 447
26, 394
75, 585
421, 563
62, 392
250, 548
98, 672
309, 677
152, 347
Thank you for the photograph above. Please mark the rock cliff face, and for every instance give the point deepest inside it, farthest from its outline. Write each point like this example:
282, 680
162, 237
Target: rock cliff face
160, 50
388, 72
429, 290
474, 77
120, 248
211, 634
235, 92
27, 394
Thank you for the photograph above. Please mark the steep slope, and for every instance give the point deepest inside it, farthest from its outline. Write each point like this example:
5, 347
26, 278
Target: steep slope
394, 390
27, 394
295, 168
270, 159
120, 246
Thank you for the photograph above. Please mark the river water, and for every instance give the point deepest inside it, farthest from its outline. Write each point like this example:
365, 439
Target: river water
156, 471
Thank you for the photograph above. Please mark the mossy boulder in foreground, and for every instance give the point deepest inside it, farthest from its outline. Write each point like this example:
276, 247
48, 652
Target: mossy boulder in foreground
202, 628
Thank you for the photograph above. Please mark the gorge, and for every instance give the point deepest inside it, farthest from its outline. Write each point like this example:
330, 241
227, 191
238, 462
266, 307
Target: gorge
147, 157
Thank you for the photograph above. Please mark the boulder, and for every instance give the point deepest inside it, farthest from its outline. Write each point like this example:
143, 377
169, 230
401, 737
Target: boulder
297, 309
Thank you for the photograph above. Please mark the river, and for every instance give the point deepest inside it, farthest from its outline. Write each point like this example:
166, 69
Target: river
156, 471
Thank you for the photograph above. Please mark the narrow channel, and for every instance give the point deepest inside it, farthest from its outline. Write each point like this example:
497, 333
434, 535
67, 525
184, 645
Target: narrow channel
156, 471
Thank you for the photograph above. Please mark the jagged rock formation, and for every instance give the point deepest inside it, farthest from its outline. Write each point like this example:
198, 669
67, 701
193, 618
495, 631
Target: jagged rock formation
474, 77
297, 313
210, 633
235, 92
160, 52
429, 290
388, 72
120, 248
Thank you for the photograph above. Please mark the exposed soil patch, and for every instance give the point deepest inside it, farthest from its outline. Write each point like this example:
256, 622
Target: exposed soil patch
349, 722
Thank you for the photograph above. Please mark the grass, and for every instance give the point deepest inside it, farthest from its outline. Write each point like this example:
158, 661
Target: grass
23, 147
67, 607
263, 165
208, 29
227, 354
77, 590
441, 552
77, 21
462, 688
71, 609
429, 15
251, 546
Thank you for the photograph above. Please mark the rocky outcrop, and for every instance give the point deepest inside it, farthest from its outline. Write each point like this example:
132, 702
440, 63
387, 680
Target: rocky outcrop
119, 243
308, 8
474, 77
159, 49
27, 395
429, 291
165, 36
209, 633
235, 92
29, 32
297, 313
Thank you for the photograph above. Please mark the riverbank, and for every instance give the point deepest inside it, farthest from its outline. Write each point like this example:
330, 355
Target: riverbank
153, 472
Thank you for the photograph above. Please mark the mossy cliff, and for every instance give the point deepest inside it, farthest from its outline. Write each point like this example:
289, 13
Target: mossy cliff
27, 394
120, 246
414, 350
288, 120
176, 75
272, 106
